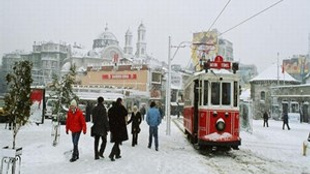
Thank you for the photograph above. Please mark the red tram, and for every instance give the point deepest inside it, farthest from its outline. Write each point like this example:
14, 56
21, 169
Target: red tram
211, 106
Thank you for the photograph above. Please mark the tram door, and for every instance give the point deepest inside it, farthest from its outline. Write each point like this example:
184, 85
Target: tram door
196, 103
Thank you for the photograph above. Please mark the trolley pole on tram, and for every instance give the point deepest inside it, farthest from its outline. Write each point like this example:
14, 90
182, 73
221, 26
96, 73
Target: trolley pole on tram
168, 87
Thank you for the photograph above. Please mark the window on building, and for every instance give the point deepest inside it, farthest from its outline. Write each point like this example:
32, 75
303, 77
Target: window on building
156, 77
263, 95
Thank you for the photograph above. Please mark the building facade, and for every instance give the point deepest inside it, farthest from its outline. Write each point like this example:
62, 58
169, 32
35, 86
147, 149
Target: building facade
260, 88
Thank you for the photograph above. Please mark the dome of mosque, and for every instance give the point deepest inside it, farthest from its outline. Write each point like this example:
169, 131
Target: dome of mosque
106, 35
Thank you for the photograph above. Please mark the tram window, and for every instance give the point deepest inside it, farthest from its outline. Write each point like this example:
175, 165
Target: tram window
226, 94
200, 92
205, 92
236, 93
187, 96
215, 93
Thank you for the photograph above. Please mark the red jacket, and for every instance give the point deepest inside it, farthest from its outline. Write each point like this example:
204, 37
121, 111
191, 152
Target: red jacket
75, 121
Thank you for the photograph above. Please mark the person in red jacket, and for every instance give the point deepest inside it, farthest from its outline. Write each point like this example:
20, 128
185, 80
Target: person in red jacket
76, 124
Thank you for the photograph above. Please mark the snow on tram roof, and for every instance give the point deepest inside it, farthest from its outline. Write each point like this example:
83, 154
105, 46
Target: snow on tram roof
216, 71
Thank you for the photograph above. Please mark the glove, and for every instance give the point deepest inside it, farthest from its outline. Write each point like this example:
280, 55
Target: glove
67, 132
84, 132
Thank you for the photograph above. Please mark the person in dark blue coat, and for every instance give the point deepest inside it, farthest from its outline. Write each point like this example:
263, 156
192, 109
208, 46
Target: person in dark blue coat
153, 119
100, 128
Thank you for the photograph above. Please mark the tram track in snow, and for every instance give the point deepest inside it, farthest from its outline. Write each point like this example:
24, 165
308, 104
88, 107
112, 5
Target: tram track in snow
243, 159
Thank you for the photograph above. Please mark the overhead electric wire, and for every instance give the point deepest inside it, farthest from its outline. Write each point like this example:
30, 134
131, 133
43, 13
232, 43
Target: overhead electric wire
251, 17
218, 16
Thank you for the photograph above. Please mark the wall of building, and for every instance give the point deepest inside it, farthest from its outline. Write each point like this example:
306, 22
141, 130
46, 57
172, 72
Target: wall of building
134, 79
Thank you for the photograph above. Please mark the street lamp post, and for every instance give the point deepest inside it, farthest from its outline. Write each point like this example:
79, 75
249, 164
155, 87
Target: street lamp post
168, 88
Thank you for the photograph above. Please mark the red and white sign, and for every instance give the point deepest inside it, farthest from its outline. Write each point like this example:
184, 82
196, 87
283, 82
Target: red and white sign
219, 63
119, 76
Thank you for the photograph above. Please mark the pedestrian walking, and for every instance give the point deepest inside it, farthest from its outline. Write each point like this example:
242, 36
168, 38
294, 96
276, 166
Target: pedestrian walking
178, 110
76, 124
285, 121
135, 121
88, 111
265, 117
153, 119
117, 115
100, 127
142, 111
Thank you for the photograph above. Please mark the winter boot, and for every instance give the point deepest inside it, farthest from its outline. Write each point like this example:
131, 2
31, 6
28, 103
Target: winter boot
96, 155
74, 158
111, 157
101, 153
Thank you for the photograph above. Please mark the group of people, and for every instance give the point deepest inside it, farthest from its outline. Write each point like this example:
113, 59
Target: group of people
112, 120
284, 118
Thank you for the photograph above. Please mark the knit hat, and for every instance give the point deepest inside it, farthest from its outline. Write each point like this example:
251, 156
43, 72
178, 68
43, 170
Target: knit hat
73, 103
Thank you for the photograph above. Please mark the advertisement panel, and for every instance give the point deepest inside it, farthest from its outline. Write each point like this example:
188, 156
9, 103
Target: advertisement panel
205, 46
37, 97
296, 66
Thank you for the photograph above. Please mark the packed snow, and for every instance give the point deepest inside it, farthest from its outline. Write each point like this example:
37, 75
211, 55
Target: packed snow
268, 150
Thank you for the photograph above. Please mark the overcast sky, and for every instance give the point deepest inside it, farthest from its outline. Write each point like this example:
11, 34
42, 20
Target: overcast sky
283, 28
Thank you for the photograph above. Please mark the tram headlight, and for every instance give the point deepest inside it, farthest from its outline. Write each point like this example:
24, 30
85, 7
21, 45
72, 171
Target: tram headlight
220, 124
226, 114
214, 113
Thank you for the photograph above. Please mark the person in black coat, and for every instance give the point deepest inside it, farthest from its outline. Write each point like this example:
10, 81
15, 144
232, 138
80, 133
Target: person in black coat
285, 121
100, 128
142, 111
117, 114
135, 126
88, 111
265, 117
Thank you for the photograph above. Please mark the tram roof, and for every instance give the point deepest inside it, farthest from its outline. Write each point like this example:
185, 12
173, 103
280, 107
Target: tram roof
215, 71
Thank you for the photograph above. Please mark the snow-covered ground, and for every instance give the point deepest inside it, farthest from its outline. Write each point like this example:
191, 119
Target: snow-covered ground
265, 150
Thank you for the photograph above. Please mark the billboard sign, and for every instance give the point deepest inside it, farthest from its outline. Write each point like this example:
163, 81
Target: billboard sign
37, 97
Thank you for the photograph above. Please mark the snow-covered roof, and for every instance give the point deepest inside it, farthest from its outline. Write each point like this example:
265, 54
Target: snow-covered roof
106, 35
78, 52
216, 71
66, 66
273, 73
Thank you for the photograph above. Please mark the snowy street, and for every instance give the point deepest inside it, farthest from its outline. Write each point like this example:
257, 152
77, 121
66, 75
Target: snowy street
266, 150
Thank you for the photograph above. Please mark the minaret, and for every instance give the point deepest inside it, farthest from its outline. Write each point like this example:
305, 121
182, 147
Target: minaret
141, 43
128, 40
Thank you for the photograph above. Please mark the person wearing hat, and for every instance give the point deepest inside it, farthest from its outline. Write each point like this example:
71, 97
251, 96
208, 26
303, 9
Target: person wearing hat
76, 124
